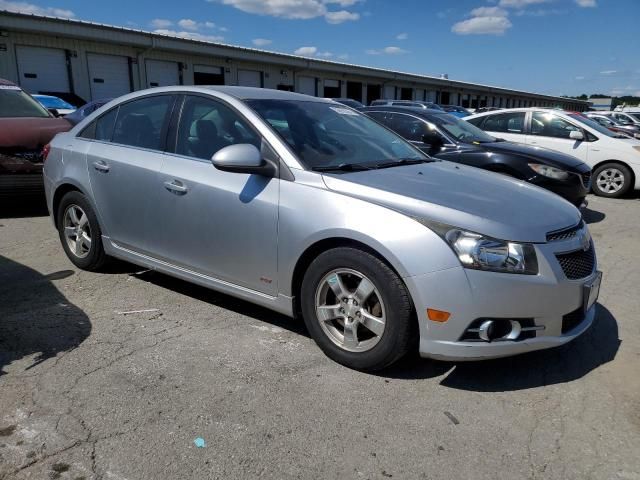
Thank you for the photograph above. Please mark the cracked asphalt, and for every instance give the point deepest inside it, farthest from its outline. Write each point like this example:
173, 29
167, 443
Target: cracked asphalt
114, 375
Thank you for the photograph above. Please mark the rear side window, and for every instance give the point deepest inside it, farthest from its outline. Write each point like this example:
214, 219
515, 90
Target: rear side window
505, 122
101, 128
142, 123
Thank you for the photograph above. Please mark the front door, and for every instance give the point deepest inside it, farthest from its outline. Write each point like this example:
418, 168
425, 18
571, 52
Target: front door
549, 130
220, 224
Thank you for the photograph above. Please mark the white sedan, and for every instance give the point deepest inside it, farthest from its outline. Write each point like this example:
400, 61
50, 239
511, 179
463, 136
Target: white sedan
614, 158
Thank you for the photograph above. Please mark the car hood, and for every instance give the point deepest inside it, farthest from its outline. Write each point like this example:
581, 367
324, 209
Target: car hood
551, 157
462, 196
29, 132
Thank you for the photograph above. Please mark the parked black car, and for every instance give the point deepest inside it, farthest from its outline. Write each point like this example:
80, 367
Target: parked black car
449, 138
406, 103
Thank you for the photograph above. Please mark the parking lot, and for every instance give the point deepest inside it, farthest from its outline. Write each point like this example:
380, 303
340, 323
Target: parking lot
114, 375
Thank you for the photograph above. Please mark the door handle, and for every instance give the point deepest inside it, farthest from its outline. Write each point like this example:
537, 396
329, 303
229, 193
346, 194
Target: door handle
175, 186
101, 166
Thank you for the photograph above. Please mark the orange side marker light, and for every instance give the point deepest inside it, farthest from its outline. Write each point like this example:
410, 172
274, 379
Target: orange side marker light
437, 315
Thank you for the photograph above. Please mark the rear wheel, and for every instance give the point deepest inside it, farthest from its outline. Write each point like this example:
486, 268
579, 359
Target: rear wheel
611, 180
80, 232
357, 309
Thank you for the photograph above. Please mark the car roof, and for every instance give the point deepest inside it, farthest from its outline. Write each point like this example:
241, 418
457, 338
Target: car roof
39, 95
7, 83
255, 93
522, 109
414, 110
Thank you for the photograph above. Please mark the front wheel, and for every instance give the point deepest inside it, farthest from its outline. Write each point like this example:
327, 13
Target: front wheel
357, 309
612, 180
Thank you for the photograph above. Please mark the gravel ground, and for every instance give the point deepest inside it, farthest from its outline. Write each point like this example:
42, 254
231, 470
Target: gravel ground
88, 391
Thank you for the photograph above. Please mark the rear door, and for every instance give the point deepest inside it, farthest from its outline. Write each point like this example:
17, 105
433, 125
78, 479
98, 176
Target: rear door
221, 224
549, 130
124, 162
507, 125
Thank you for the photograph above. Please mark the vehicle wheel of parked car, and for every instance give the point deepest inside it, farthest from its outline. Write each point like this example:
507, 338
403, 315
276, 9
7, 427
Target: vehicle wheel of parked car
611, 180
80, 232
357, 309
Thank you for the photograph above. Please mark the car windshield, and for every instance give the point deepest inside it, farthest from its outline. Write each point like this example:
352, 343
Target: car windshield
54, 102
462, 130
16, 103
326, 135
595, 125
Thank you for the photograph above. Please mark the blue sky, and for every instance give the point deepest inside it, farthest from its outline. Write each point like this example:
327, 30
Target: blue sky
558, 47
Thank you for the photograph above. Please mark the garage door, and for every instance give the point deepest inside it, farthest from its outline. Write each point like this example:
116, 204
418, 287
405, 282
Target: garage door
161, 73
389, 92
250, 78
42, 69
207, 75
307, 85
109, 75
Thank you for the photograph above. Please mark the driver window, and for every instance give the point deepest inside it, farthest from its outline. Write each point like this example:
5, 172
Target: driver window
410, 128
550, 125
207, 126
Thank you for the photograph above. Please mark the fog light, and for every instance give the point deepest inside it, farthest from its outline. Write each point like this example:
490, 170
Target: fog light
437, 315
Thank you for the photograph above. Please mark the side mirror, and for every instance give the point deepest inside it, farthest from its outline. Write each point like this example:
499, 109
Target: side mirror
242, 158
54, 112
576, 135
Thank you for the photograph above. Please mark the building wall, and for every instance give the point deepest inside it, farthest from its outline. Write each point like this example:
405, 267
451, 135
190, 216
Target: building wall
136, 46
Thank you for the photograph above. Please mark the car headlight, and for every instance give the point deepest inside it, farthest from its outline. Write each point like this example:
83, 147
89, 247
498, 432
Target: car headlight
481, 252
549, 171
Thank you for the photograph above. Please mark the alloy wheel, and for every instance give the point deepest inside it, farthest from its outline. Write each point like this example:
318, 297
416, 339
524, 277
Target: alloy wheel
77, 231
350, 310
610, 180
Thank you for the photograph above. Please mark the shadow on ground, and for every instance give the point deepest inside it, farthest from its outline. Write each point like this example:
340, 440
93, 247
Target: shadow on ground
35, 318
592, 216
16, 206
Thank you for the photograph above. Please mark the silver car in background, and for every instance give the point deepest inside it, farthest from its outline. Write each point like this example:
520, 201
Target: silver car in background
311, 209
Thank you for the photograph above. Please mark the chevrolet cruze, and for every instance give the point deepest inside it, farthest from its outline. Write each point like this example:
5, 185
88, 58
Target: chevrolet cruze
312, 209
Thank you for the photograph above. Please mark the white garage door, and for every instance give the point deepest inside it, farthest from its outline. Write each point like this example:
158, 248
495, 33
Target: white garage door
249, 78
307, 85
109, 75
161, 73
42, 69
389, 92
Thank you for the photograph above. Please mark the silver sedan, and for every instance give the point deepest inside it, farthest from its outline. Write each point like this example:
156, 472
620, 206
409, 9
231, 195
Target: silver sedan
311, 209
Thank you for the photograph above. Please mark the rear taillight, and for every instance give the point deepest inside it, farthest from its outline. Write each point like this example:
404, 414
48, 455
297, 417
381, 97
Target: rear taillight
45, 151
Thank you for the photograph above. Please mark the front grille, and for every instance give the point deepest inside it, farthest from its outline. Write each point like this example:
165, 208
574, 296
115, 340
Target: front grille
565, 233
586, 179
578, 264
572, 320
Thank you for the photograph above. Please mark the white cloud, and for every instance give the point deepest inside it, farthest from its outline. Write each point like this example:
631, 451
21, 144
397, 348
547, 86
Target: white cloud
341, 16
485, 21
31, 9
520, 3
608, 72
188, 24
190, 35
343, 56
296, 9
402, 36
325, 54
161, 23
386, 51
541, 12
261, 42
586, 3
580, 78
306, 51
210, 25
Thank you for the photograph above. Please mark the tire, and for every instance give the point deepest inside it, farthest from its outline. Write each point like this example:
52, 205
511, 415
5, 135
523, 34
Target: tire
74, 215
611, 180
382, 319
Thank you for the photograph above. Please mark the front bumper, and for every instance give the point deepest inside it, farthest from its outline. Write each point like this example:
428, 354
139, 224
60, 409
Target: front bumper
543, 300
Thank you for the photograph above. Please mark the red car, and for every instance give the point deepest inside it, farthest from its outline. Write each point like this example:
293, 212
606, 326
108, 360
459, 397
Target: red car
25, 128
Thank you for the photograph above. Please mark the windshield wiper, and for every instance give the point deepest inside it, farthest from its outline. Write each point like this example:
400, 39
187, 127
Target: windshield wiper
343, 167
402, 161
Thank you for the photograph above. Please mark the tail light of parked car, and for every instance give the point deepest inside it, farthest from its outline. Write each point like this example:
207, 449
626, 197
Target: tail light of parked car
45, 151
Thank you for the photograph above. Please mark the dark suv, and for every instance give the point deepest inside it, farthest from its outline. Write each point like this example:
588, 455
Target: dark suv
25, 128
449, 138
